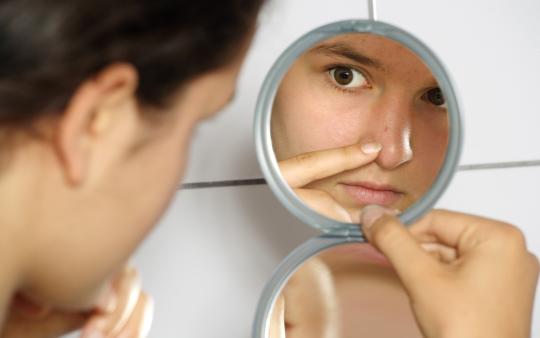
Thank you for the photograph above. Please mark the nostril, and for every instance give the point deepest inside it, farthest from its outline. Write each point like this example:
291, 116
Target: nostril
394, 156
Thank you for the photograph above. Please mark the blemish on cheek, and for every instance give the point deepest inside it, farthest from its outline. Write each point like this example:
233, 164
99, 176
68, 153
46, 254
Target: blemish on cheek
386, 129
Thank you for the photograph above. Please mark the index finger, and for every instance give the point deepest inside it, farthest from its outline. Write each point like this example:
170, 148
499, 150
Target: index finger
305, 168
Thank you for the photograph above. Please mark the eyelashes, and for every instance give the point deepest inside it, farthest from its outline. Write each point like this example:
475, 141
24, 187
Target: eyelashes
434, 96
346, 78
349, 80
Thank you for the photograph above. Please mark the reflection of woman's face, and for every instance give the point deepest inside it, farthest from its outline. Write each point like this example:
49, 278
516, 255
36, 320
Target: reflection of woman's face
358, 88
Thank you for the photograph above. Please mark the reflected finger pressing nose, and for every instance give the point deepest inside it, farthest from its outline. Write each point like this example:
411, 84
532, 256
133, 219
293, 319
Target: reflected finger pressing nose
326, 205
306, 168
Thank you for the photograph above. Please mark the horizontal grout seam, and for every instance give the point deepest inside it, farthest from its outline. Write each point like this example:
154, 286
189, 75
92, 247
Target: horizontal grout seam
262, 181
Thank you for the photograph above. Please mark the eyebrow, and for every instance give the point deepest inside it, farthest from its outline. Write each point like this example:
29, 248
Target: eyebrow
346, 51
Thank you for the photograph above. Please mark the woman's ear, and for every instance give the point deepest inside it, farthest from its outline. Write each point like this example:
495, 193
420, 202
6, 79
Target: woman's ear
90, 113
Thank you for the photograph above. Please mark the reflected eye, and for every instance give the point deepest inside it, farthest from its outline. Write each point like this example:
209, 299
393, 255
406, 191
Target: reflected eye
347, 77
434, 96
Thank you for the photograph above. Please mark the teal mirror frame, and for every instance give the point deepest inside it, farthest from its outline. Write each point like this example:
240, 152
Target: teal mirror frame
334, 232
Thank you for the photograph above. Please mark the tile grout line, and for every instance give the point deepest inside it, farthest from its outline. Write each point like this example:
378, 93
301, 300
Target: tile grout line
219, 184
499, 165
262, 181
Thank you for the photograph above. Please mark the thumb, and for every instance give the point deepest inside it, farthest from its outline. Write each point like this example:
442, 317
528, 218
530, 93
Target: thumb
384, 231
58, 324
54, 324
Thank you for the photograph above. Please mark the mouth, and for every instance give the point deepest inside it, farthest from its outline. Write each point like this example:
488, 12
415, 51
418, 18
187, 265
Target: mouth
364, 193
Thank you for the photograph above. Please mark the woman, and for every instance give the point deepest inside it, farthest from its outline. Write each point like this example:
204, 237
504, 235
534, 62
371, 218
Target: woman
98, 100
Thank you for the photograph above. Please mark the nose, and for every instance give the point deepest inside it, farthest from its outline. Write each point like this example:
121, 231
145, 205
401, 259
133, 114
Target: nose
390, 125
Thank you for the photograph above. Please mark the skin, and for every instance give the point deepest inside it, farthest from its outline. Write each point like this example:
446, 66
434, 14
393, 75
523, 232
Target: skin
77, 189
385, 103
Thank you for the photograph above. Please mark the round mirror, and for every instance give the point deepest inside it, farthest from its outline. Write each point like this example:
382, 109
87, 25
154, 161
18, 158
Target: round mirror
357, 113
359, 119
352, 114
347, 291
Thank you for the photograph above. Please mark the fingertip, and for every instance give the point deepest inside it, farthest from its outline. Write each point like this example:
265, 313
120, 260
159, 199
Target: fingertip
92, 333
371, 214
108, 300
371, 148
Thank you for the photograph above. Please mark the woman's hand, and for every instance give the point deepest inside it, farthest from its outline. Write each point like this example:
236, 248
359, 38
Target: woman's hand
466, 276
125, 311
303, 169
28, 320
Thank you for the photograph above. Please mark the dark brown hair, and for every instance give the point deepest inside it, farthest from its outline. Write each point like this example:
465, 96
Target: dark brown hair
49, 47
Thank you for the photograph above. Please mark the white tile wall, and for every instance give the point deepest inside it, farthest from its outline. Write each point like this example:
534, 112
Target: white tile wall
511, 195
209, 258
491, 48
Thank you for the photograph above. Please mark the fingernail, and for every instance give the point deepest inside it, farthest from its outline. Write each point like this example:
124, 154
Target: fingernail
370, 215
107, 301
93, 333
110, 304
371, 148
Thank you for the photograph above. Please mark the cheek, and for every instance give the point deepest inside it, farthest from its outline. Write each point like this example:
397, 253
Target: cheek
314, 120
430, 145
163, 171
147, 193
107, 223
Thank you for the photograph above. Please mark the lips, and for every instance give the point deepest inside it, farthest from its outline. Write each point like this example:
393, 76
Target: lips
364, 193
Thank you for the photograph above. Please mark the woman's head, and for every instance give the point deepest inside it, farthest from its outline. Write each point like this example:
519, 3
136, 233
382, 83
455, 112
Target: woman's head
362, 88
97, 102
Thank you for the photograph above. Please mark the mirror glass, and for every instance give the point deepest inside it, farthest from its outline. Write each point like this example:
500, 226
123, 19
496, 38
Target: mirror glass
342, 100
348, 291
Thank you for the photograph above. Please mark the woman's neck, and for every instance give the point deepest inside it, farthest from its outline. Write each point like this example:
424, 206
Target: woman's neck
17, 200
